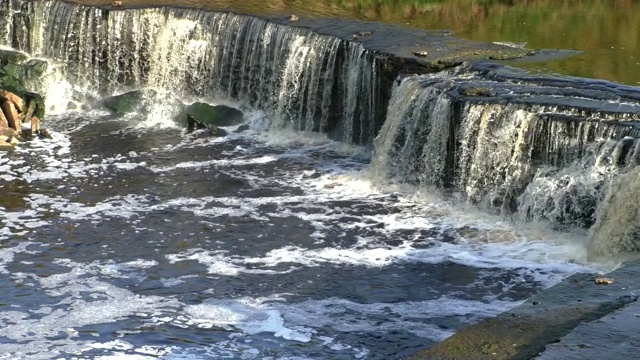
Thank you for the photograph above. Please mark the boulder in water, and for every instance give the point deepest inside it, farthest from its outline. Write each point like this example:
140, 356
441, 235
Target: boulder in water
146, 101
242, 128
194, 123
216, 115
128, 102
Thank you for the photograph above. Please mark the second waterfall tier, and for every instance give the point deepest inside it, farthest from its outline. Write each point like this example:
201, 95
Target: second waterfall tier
539, 148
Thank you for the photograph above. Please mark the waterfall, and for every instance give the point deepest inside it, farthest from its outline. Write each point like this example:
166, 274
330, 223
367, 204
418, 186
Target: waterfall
524, 149
301, 79
413, 145
618, 227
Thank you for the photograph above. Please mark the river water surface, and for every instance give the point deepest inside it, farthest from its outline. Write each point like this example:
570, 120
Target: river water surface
129, 237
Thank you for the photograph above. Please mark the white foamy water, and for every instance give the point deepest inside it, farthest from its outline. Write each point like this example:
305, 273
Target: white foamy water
126, 237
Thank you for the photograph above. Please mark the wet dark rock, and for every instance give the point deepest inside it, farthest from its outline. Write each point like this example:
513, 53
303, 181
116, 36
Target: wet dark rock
477, 91
194, 123
214, 115
144, 101
44, 133
8, 56
242, 128
128, 102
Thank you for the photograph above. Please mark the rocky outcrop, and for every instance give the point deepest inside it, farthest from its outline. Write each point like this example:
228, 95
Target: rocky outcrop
21, 109
214, 115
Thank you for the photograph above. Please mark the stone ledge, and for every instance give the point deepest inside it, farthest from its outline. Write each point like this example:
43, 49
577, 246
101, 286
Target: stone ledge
545, 318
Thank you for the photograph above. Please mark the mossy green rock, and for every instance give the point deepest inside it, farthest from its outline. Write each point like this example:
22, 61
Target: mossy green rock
214, 115
16, 71
144, 101
8, 56
128, 102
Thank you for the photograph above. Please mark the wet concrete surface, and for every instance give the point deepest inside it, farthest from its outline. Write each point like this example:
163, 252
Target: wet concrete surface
614, 336
576, 319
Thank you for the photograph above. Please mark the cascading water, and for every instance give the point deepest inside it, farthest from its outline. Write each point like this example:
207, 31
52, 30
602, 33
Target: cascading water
534, 150
616, 231
303, 80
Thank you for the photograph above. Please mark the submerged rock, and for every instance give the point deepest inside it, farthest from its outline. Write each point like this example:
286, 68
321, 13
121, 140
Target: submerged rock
44, 133
242, 128
216, 115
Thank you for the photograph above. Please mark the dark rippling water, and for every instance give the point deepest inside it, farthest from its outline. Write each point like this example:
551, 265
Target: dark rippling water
129, 238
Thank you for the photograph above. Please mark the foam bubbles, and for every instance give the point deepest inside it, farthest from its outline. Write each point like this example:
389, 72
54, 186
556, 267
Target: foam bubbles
250, 315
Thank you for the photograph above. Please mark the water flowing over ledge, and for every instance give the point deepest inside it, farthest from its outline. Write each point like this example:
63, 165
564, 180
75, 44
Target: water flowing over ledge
537, 148
302, 79
540, 148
